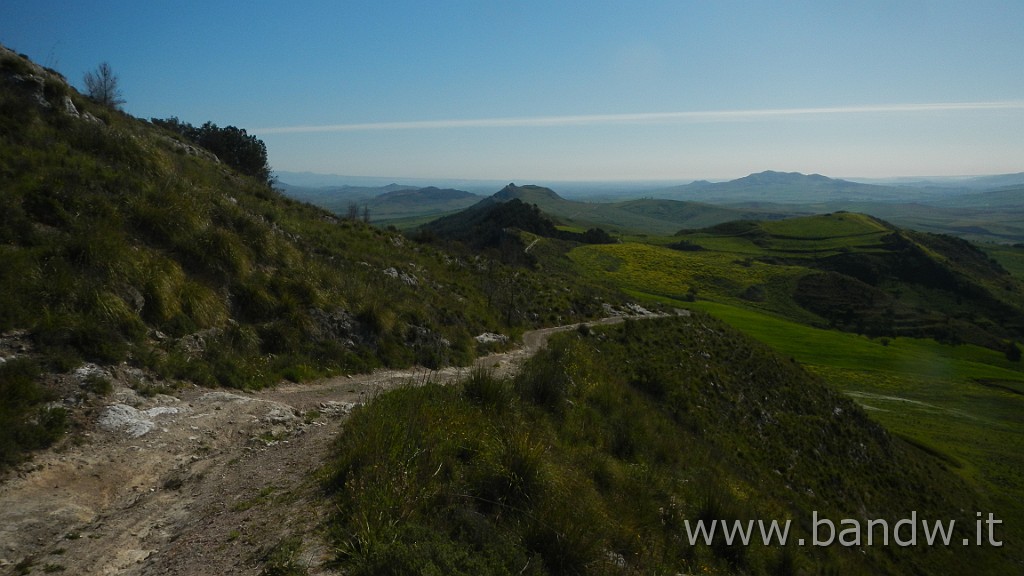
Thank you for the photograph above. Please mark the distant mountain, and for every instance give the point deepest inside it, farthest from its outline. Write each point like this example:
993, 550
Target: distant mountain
964, 183
406, 203
995, 181
1009, 197
317, 180
386, 204
791, 188
337, 198
529, 193
430, 193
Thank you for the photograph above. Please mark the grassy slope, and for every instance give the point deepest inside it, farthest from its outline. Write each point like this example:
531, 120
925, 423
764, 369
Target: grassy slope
920, 285
121, 243
1011, 258
963, 402
593, 459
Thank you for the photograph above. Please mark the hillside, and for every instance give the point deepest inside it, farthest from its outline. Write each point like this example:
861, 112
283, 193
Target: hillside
847, 271
496, 224
921, 330
601, 452
123, 242
141, 275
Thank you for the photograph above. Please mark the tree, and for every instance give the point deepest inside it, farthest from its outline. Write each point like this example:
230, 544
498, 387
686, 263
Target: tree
233, 146
101, 86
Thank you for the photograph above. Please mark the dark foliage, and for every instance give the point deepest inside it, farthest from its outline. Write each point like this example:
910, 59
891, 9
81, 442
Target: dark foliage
685, 246
25, 421
233, 146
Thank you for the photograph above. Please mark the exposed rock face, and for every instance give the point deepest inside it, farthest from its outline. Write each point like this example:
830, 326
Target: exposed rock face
46, 87
405, 277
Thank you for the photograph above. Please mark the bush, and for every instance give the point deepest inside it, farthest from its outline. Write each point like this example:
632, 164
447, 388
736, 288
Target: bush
25, 422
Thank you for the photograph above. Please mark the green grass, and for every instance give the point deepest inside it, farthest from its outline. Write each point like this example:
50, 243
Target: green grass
642, 268
839, 225
110, 234
960, 403
1011, 257
930, 392
904, 356
118, 246
607, 442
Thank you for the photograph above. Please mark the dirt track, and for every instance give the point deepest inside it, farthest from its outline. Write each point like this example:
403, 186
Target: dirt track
204, 482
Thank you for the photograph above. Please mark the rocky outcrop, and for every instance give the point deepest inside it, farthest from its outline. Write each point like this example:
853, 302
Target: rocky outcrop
47, 88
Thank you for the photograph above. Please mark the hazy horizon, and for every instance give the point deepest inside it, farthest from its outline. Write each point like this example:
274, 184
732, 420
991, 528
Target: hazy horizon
938, 178
528, 90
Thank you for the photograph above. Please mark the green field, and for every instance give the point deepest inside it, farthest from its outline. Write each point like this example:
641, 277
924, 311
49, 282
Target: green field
964, 403
1011, 257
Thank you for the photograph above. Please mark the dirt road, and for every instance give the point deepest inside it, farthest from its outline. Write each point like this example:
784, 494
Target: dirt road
203, 482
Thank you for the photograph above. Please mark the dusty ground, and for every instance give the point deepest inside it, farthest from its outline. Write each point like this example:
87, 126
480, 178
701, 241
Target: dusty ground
202, 482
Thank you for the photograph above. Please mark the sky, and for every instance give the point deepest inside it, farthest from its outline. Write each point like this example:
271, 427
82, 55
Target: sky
549, 90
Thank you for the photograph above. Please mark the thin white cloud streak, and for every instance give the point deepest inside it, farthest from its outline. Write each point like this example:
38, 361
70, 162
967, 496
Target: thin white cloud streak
646, 118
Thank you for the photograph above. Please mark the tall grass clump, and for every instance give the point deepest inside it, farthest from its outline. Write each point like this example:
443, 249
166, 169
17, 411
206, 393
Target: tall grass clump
484, 389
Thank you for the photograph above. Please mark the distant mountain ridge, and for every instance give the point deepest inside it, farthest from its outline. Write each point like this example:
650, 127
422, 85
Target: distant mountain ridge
786, 187
384, 204
428, 193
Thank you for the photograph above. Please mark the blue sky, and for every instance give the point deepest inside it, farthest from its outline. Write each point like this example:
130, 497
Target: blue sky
546, 90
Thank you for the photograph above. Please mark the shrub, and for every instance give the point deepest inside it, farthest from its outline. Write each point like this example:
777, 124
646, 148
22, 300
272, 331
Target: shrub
25, 422
483, 389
